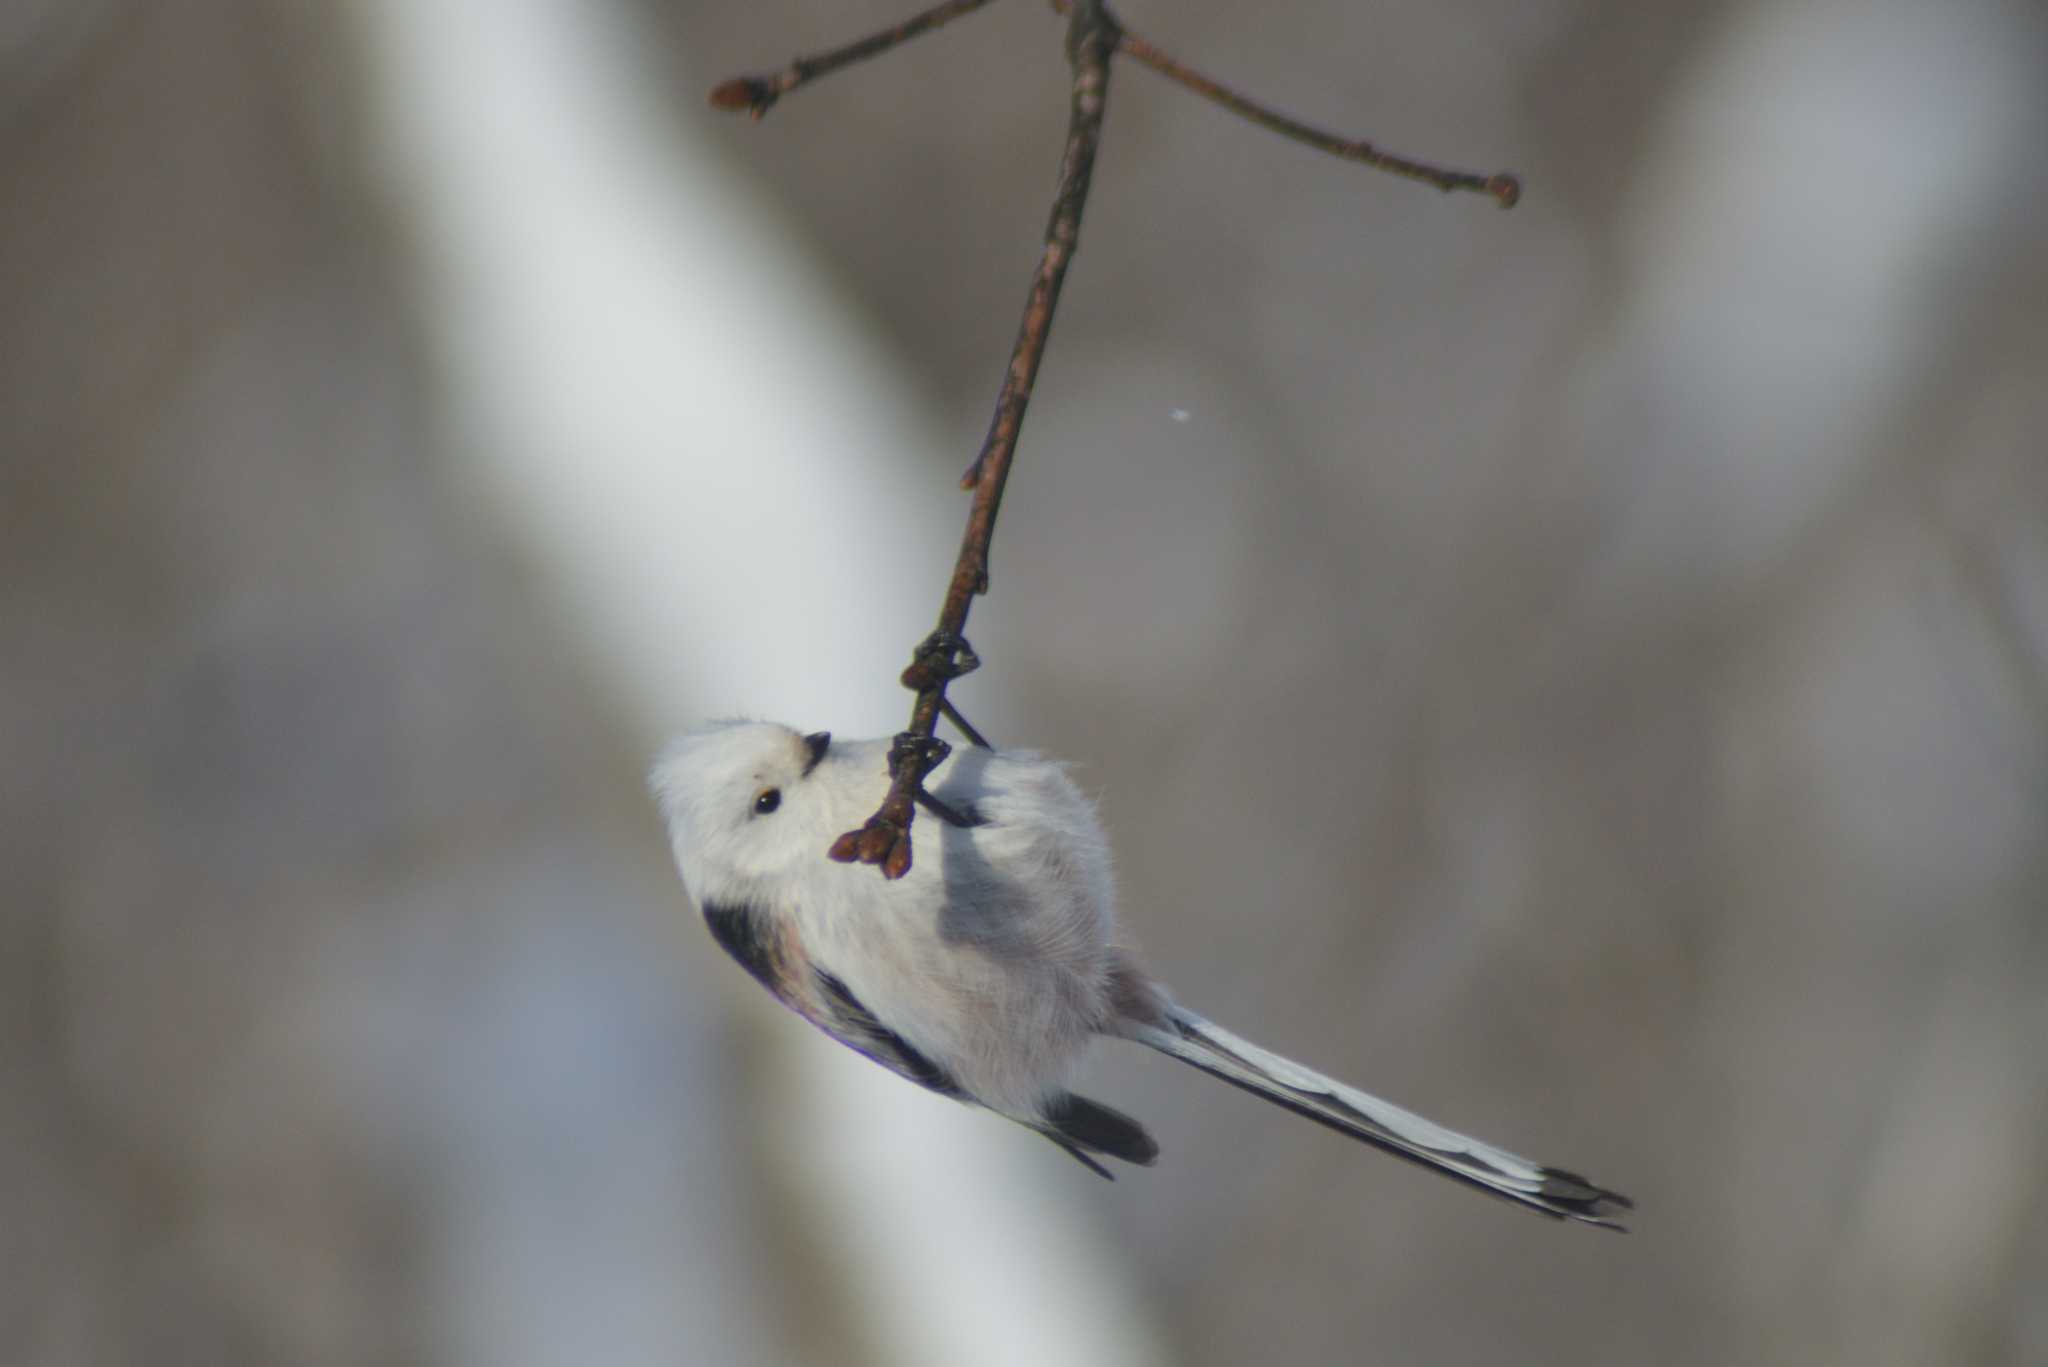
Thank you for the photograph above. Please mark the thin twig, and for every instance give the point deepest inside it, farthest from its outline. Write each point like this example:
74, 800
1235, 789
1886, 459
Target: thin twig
885, 839
1502, 185
947, 813
952, 714
755, 94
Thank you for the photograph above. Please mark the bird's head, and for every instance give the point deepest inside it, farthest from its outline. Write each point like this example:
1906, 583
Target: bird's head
745, 802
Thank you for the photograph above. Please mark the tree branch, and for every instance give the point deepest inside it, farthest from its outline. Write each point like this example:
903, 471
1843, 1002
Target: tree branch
756, 94
944, 655
1093, 38
1502, 185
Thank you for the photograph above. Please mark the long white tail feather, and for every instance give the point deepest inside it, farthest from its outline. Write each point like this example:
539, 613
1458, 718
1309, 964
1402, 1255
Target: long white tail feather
1551, 1191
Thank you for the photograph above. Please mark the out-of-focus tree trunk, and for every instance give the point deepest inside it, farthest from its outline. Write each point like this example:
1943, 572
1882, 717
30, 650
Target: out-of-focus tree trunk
302, 824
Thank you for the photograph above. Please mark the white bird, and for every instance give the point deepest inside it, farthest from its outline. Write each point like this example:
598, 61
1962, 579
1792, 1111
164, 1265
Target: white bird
984, 973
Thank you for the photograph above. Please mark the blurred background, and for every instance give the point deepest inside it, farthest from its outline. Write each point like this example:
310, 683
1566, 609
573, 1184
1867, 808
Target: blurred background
1581, 672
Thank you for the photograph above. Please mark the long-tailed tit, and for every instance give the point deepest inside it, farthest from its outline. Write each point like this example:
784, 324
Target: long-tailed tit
984, 972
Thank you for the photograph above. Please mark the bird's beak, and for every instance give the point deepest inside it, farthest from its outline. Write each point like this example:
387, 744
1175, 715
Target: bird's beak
818, 742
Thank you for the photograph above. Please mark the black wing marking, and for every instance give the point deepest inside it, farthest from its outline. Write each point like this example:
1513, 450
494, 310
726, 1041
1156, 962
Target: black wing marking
776, 960
751, 943
856, 1026
1098, 1129
1075, 1151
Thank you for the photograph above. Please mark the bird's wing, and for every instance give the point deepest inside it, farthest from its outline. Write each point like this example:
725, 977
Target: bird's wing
850, 1022
1076, 1123
768, 947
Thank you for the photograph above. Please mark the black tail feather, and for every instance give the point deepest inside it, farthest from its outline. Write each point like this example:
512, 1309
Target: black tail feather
1548, 1191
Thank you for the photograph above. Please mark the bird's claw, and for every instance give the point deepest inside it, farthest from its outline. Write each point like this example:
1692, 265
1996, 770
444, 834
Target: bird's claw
939, 659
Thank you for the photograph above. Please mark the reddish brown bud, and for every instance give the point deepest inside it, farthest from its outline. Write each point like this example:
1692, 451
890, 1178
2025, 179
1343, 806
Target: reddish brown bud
876, 843
1504, 187
743, 94
846, 849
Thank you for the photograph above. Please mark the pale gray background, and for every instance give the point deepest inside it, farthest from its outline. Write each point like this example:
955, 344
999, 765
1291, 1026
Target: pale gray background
1581, 671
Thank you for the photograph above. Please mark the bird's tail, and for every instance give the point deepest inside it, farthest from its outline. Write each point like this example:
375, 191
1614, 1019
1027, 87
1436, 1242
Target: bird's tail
1205, 1045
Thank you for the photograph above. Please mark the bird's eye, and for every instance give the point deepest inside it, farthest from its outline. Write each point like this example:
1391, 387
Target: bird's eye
768, 801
